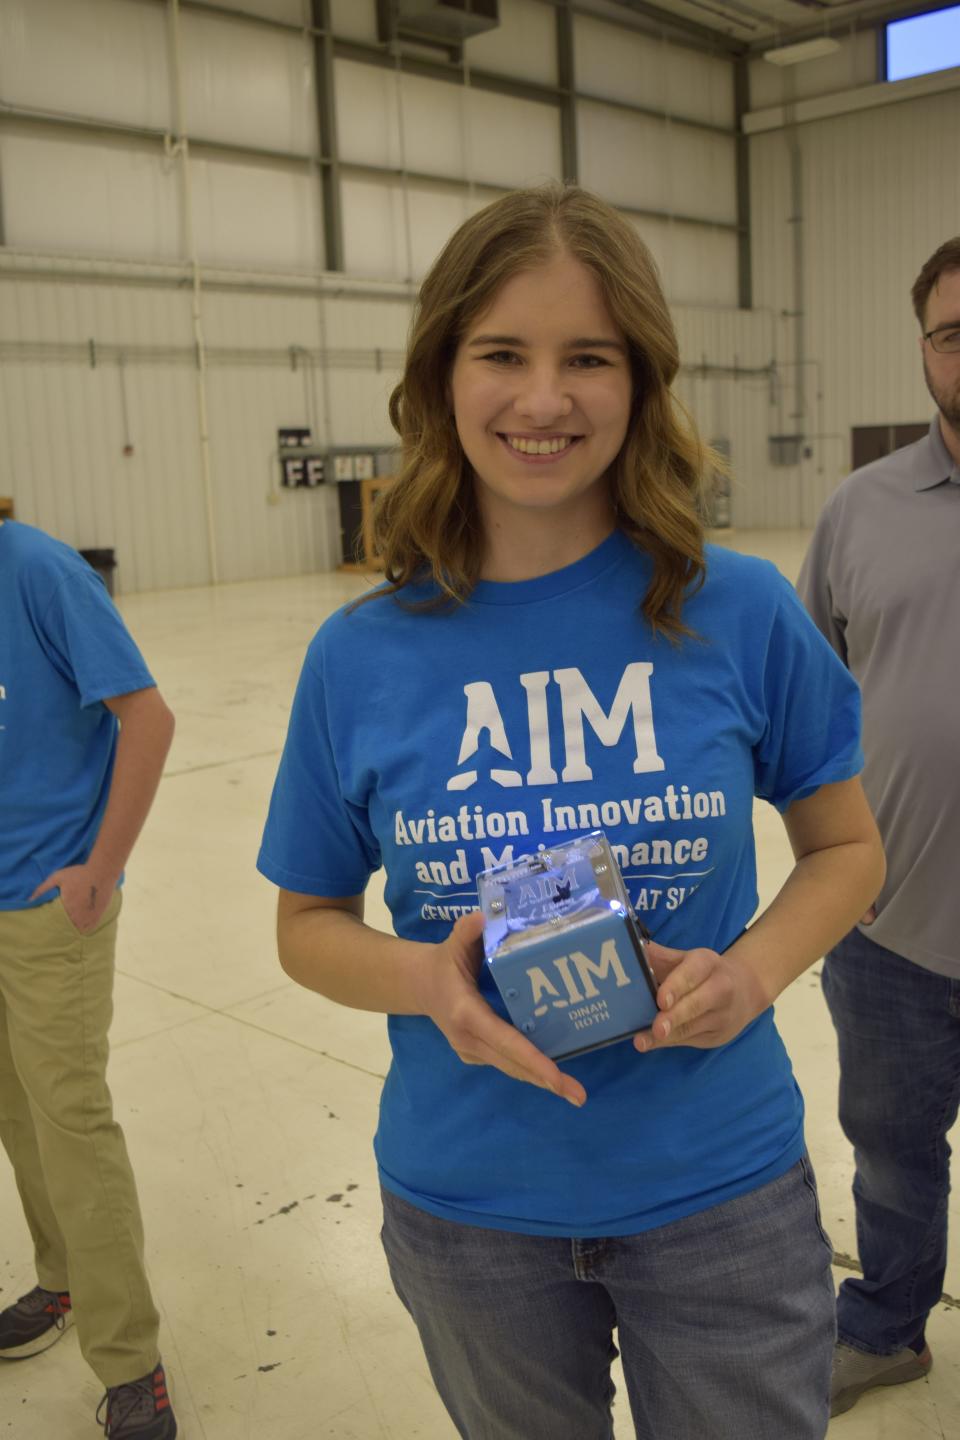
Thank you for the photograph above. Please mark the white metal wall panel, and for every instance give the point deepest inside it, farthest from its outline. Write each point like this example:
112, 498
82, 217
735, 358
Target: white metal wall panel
88, 198
512, 142
697, 264
881, 190
65, 422
263, 531
649, 164
393, 233
523, 45
431, 136
367, 323
443, 129
102, 59
620, 65
701, 174
256, 215
374, 241
67, 310
734, 402
235, 319
247, 84
368, 114
854, 64
358, 406
354, 20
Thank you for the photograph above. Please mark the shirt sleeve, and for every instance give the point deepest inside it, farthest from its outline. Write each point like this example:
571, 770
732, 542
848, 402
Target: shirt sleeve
316, 841
814, 588
812, 711
86, 640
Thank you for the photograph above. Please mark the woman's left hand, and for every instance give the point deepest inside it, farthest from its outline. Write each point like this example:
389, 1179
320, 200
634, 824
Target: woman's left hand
705, 999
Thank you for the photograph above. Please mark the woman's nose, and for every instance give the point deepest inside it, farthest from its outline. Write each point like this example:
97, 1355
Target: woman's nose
543, 398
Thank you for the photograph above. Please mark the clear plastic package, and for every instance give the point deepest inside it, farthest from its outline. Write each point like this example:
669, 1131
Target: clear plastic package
565, 948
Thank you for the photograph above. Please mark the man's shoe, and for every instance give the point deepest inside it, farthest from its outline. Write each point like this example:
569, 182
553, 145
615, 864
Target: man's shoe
34, 1323
854, 1371
140, 1410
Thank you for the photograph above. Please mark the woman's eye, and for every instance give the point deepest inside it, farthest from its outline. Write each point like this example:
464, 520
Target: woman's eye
588, 362
502, 357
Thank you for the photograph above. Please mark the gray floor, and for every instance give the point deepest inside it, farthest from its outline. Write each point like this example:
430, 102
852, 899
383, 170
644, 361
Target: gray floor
249, 1105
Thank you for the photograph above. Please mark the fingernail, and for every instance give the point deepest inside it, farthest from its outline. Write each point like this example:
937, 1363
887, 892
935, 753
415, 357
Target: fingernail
665, 1028
668, 999
576, 1103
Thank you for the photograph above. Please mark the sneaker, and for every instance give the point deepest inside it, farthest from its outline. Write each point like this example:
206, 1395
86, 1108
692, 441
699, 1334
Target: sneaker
34, 1323
855, 1371
140, 1410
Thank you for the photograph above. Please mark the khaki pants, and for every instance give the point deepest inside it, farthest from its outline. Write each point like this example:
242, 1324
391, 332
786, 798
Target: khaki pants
56, 1122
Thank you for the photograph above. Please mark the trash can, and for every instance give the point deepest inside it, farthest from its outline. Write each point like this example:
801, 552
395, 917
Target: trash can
104, 562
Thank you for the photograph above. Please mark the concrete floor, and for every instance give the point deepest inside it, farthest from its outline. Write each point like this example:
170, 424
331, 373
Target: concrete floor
249, 1104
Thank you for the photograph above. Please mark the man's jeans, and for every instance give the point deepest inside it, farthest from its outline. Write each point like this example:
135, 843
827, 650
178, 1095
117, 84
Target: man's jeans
898, 1028
725, 1321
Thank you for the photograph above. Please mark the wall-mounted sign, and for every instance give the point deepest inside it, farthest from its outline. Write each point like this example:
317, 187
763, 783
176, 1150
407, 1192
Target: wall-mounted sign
292, 437
300, 465
301, 471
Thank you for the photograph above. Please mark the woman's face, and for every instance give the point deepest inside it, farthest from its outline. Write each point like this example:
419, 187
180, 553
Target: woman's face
541, 389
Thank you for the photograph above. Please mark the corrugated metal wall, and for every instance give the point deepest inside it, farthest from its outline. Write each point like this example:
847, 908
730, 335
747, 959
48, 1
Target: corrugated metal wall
878, 190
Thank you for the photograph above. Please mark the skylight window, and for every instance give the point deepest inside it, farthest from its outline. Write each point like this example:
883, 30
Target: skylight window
923, 43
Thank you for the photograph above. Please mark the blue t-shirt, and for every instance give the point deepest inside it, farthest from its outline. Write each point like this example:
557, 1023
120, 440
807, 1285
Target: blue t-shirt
63, 650
437, 744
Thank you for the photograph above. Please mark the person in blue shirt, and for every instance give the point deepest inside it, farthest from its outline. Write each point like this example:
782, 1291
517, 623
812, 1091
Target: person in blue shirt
554, 647
83, 738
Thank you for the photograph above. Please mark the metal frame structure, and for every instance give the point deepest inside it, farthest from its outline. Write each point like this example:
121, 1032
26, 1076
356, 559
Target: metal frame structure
449, 67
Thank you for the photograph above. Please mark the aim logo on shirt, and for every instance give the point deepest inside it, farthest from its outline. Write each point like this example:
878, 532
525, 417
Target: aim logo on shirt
578, 704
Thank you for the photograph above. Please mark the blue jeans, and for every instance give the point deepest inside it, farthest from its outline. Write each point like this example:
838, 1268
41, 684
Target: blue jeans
898, 1029
725, 1321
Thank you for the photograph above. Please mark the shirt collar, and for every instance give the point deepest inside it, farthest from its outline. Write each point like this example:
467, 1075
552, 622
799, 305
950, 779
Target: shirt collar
935, 461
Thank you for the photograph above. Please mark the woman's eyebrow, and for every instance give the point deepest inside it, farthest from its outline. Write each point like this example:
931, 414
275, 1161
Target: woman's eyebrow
581, 343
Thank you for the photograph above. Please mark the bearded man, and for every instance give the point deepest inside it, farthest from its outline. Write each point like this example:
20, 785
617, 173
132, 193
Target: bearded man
882, 581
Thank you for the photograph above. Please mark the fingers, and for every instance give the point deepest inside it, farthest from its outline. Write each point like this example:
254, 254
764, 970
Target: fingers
533, 1069
662, 960
49, 884
699, 1003
480, 1037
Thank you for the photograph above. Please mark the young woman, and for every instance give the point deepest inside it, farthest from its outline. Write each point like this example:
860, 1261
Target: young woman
555, 643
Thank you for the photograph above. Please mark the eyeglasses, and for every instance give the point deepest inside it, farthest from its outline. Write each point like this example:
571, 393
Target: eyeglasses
945, 340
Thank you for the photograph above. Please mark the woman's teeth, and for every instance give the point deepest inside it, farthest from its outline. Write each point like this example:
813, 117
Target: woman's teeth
539, 447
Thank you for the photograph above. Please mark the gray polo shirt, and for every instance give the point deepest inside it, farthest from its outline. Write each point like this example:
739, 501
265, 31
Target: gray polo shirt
882, 581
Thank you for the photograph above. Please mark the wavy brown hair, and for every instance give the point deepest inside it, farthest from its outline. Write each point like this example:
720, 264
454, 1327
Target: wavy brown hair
427, 523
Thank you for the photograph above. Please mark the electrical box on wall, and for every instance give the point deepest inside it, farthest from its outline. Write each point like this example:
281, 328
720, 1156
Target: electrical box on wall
785, 449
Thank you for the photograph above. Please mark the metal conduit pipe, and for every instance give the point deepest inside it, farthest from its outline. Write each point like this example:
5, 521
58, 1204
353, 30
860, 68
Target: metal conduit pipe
182, 151
34, 266
92, 352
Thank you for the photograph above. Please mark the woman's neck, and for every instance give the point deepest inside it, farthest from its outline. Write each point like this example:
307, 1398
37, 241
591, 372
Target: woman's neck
528, 543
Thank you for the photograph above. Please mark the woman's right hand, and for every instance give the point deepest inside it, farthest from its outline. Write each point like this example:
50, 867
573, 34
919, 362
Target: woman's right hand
448, 994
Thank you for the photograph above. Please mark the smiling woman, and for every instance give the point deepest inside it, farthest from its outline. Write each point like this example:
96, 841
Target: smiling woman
541, 415
556, 648
543, 323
